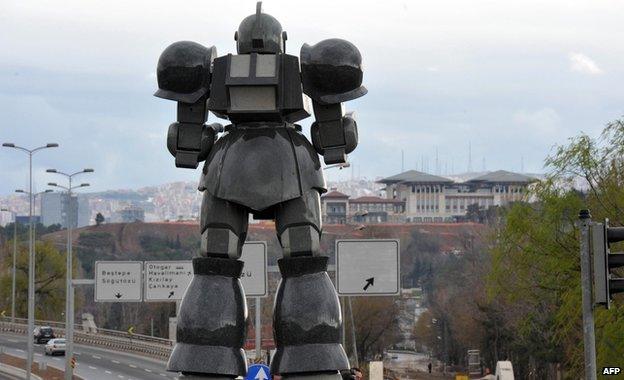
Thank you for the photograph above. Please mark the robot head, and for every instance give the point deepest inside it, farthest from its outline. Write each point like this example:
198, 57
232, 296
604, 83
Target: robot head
260, 33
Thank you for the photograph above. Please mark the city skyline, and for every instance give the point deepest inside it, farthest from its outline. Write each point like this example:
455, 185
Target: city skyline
449, 79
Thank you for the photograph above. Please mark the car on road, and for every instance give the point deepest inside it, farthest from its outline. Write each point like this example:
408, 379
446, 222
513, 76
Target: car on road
43, 334
55, 346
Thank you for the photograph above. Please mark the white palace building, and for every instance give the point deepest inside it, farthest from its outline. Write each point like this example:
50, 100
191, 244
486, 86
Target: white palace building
429, 198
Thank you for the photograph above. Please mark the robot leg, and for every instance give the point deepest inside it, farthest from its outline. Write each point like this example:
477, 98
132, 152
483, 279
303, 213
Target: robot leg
307, 322
213, 315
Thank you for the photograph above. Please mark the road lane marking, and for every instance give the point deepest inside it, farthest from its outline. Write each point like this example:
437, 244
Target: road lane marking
57, 359
115, 361
13, 340
148, 370
96, 357
120, 376
92, 367
163, 374
20, 350
132, 366
109, 372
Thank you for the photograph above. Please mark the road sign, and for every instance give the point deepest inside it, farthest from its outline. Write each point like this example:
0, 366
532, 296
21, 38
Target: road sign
118, 281
258, 372
254, 277
367, 267
167, 280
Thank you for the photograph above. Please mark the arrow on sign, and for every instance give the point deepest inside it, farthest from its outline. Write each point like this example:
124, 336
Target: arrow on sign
118, 295
369, 282
261, 375
170, 294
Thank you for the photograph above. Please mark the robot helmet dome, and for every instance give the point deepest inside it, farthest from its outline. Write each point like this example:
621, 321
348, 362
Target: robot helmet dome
260, 33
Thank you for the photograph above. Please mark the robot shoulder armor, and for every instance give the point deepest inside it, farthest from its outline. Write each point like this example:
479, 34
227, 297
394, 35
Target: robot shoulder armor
184, 71
331, 71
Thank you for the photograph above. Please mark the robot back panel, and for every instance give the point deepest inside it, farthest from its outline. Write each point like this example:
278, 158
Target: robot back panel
258, 87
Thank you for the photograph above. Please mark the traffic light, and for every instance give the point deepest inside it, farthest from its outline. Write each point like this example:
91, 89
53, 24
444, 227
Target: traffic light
605, 283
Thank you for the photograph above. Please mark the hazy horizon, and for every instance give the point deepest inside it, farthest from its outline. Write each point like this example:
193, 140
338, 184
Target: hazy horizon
510, 79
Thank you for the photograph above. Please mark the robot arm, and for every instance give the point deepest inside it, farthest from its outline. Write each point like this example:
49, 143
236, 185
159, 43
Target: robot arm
334, 134
184, 75
331, 73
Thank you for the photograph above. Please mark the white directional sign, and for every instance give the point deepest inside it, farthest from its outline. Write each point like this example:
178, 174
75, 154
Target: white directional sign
367, 267
167, 280
118, 281
254, 277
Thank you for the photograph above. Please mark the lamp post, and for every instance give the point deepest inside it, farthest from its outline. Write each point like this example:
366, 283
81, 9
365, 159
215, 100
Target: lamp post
15, 250
14, 258
69, 290
31, 254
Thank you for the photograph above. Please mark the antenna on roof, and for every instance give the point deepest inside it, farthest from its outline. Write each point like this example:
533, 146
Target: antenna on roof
402, 161
258, 8
469, 157
437, 166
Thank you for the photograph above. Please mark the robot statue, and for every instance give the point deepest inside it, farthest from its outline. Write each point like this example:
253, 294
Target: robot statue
260, 164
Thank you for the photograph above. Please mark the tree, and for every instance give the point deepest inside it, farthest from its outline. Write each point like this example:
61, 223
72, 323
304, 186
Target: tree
376, 325
49, 282
99, 219
535, 257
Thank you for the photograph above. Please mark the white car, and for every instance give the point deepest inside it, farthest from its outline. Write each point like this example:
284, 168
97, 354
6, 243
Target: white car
55, 346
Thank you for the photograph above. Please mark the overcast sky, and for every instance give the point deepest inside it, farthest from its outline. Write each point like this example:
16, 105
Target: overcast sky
512, 78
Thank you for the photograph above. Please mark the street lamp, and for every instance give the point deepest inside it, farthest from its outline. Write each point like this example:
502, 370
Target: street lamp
31, 254
69, 290
14, 259
15, 252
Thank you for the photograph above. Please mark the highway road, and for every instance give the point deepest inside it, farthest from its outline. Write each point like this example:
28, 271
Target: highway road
94, 363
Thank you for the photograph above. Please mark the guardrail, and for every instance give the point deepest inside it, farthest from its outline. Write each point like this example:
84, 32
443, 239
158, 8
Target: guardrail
145, 345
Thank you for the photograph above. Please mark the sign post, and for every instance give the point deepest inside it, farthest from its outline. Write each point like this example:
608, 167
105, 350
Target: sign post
258, 372
367, 267
254, 277
254, 280
118, 281
166, 281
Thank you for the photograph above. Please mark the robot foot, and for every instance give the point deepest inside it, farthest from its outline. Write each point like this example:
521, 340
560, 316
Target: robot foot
307, 321
212, 322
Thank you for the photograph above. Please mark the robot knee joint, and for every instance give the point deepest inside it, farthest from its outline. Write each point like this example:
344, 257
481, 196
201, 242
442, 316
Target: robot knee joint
303, 240
221, 242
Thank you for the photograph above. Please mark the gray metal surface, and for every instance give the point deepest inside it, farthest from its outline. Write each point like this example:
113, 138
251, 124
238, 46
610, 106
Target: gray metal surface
589, 337
262, 164
367, 267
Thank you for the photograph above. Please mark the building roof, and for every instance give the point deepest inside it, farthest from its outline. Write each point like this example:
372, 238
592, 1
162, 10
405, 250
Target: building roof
369, 199
413, 176
503, 176
336, 194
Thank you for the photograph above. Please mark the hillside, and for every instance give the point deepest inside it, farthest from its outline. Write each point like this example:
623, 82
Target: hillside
129, 238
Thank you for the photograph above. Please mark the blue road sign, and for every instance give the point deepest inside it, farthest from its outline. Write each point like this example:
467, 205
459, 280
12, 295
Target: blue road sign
258, 372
